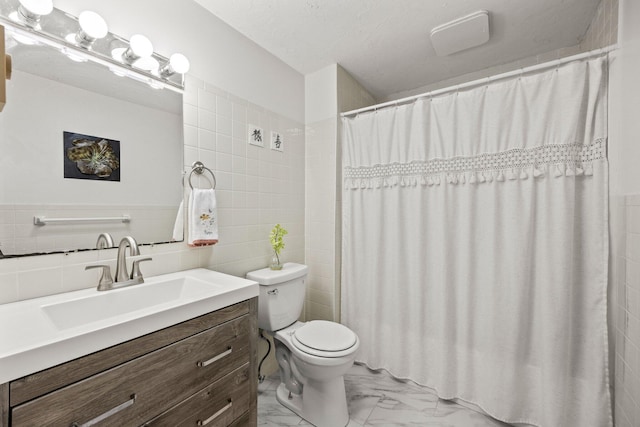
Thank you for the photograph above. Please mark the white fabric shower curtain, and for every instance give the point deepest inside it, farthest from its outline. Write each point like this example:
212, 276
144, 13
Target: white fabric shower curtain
475, 244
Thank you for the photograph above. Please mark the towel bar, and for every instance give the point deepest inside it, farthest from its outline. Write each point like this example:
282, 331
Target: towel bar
41, 220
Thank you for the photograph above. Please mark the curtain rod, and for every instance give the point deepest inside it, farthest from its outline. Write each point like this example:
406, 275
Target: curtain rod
485, 80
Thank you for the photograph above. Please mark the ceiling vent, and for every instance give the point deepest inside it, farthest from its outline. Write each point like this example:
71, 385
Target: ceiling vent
461, 34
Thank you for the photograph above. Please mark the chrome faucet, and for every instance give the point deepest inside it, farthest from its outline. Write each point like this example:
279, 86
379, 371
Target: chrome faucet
123, 278
104, 241
122, 275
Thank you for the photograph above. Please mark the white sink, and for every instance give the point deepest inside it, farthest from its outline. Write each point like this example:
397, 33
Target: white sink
116, 302
43, 332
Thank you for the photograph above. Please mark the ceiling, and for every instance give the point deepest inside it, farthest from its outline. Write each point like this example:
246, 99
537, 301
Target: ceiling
385, 44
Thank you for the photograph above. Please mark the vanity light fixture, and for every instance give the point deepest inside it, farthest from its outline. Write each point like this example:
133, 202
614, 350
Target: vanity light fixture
18, 37
177, 63
92, 28
87, 37
73, 55
118, 71
30, 11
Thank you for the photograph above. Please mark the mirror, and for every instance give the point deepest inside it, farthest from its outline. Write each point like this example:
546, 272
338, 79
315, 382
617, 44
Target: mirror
57, 106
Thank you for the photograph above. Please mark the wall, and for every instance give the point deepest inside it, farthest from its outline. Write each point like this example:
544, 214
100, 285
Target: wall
327, 92
233, 82
321, 108
624, 187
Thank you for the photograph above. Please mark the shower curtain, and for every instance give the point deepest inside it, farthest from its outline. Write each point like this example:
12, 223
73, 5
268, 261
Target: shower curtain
475, 244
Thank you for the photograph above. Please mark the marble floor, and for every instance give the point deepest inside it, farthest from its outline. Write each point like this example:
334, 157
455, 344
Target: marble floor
377, 399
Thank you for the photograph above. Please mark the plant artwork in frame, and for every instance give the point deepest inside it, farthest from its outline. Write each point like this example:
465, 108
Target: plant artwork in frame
276, 141
256, 136
91, 157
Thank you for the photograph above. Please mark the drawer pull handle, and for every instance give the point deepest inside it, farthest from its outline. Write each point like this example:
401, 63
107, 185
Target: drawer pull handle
216, 415
107, 414
215, 358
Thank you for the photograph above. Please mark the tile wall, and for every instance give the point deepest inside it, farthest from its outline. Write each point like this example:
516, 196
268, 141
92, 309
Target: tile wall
627, 319
324, 187
624, 179
321, 240
256, 188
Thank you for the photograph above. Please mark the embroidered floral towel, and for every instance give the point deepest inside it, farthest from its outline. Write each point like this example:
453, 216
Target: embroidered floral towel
203, 217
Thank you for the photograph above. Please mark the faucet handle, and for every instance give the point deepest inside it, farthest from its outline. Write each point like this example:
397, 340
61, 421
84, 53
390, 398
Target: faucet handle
135, 271
106, 281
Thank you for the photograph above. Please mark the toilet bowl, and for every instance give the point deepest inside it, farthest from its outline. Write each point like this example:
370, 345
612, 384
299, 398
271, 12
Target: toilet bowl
322, 399
313, 356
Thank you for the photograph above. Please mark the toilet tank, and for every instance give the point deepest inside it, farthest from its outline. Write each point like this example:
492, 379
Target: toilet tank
281, 295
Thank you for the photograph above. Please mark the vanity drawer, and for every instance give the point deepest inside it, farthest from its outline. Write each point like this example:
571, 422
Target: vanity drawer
136, 391
218, 405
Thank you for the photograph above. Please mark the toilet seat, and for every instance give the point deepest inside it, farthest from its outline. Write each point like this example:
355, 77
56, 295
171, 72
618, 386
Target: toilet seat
324, 339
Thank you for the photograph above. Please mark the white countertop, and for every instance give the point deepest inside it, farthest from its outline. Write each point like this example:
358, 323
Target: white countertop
30, 341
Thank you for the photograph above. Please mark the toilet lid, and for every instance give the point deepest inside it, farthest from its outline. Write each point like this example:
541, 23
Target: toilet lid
324, 336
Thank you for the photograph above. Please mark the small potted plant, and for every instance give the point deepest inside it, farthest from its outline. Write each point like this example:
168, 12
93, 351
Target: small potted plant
277, 243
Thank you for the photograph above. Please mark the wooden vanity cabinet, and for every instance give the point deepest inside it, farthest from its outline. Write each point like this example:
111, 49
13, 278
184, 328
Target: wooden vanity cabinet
199, 372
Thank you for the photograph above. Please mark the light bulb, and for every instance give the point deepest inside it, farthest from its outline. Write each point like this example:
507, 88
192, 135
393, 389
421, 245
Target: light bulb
37, 7
30, 11
178, 63
139, 47
93, 25
92, 28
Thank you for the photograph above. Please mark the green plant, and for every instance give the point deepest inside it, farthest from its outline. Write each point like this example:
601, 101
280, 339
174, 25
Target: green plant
276, 238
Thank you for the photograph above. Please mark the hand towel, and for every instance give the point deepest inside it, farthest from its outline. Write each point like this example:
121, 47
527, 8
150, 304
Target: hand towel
178, 226
202, 217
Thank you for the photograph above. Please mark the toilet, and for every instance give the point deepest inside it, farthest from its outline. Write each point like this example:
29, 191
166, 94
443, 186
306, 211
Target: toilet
313, 356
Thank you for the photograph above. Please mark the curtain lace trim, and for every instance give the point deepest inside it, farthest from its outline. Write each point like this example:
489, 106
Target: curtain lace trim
554, 159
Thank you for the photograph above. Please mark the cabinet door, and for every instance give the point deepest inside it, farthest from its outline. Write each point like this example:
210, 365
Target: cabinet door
218, 405
134, 392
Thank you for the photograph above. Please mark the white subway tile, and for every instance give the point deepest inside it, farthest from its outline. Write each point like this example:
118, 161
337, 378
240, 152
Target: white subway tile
191, 135
35, 283
224, 144
206, 139
8, 287
223, 162
239, 113
223, 125
206, 120
633, 219
190, 115
206, 100
224, 107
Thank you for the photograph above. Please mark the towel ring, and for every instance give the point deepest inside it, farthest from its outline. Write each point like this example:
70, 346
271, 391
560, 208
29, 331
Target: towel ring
199, 168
